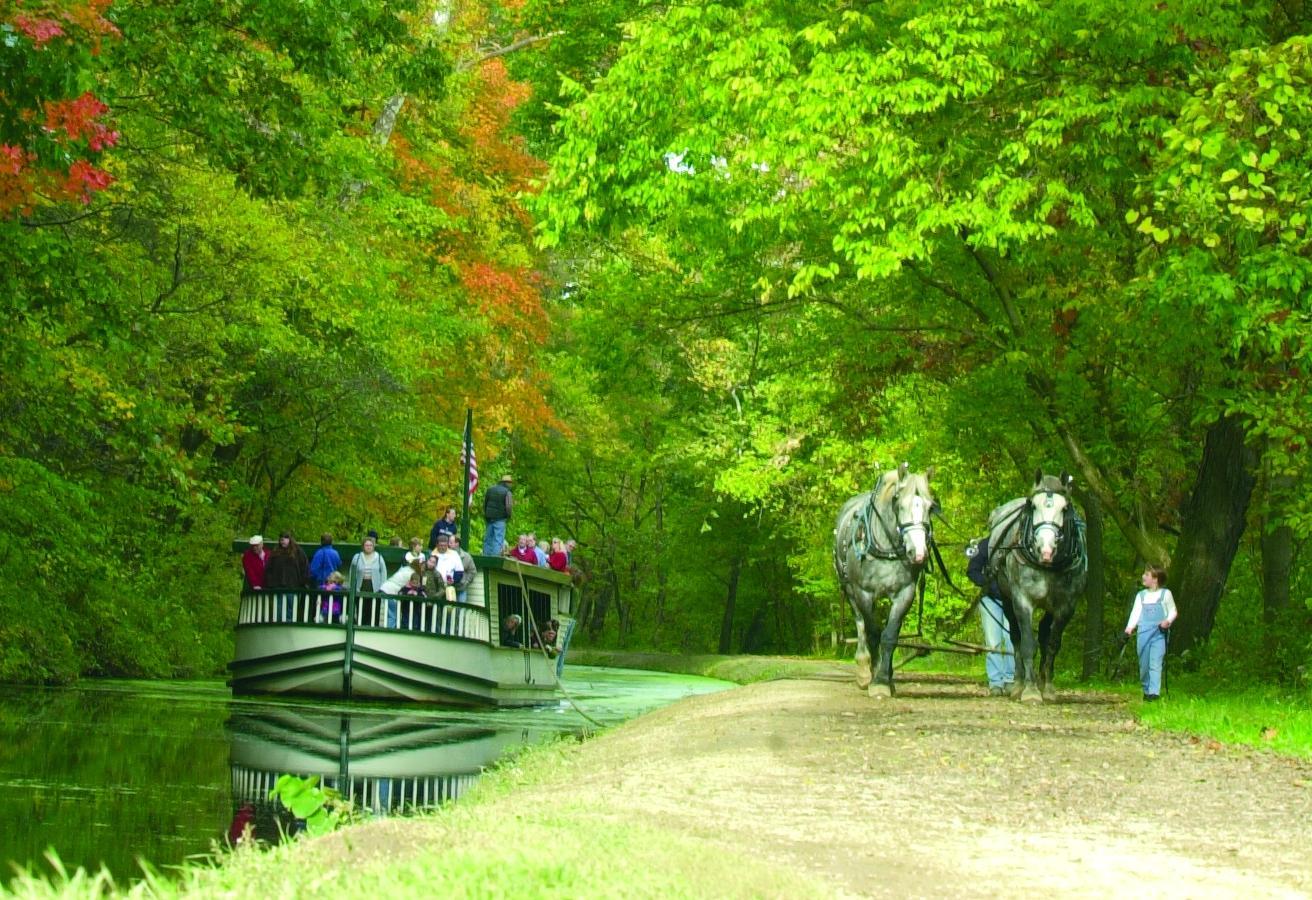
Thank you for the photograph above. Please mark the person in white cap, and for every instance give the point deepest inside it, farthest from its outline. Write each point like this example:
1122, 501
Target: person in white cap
252, 562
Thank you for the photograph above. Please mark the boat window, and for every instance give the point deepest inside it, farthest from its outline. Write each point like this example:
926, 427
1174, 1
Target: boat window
510, 601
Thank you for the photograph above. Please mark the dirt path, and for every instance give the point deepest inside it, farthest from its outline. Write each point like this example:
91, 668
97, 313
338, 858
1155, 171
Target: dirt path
940, 792
946, 792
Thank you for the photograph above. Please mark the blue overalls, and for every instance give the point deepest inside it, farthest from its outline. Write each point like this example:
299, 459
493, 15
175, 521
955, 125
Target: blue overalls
1151, 641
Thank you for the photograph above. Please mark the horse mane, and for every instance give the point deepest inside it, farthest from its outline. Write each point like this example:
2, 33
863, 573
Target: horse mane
1049, 484
885, 488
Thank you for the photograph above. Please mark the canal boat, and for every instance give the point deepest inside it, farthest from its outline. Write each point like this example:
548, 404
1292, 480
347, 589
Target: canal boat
387, 647
382, 762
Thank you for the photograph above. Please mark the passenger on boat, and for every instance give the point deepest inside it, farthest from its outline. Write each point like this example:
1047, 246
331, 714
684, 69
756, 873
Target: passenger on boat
368, 570
415, 586
416, 551
445, 525
447, 566
252, 563
510, 636
401, 577
412, 613
287, 570
549, 632
467, 567
326, 560
330, 607
558, 559
522, 551
498, 503
539, 549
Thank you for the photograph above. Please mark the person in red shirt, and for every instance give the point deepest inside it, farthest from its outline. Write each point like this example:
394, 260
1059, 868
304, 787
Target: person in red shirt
558, 559
524, 551
252, 562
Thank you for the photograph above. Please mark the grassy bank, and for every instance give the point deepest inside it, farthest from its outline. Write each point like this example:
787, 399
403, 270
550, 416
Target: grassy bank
1262, 716
521, 832
751, 669
1265, 716
737, 669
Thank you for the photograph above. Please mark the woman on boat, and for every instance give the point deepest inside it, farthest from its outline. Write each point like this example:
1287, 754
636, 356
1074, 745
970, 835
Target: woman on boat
558, 559
368, 571
287, 569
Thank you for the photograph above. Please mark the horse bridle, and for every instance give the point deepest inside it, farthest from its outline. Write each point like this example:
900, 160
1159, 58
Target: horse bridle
897, 533
1046, 525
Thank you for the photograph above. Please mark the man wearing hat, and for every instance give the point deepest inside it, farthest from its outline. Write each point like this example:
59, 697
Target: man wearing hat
252, 562
497, 503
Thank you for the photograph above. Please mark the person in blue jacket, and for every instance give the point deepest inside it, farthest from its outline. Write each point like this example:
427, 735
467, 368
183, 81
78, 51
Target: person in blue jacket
325, 562
1000, 661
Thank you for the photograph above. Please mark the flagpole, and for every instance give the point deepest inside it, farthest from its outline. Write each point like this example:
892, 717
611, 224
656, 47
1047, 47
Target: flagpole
469, 452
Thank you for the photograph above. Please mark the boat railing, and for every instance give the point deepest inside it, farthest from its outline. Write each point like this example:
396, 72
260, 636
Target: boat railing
368, 610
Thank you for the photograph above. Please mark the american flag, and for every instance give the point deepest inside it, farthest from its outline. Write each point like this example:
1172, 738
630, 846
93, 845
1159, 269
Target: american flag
467, 455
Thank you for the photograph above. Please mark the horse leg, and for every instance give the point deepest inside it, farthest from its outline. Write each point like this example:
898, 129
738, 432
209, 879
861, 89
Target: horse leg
1026, 688
1044, 675
1054, 623
899, 605
862, 610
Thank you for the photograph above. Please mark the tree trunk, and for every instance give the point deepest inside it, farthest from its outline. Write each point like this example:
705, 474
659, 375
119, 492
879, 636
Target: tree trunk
1095, 591
1277, 563
1213, 524
601, 606
726, 624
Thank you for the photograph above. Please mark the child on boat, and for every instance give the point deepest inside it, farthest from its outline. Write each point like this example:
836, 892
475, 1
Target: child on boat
330, 608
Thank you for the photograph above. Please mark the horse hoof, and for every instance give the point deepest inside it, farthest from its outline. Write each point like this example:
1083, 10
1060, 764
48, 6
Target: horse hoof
863, 679
1049, 695
878, 691
1031, 695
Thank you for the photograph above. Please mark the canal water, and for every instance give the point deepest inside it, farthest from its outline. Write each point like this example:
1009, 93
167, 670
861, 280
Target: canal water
112, 772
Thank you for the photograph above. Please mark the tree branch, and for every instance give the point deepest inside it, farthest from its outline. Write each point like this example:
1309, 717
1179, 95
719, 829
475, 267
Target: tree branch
466, 64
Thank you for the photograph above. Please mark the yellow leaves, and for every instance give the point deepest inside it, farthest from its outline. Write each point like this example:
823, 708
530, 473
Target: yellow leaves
712, 361
95, 384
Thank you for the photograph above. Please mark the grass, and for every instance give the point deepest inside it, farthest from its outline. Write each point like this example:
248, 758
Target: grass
1262, 716
494, 843
737, 669
499, 840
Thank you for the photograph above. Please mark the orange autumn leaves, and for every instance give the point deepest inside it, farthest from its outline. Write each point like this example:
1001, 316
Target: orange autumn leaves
475, 172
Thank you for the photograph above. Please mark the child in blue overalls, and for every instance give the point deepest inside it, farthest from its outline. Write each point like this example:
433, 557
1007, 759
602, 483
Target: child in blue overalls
1153, 613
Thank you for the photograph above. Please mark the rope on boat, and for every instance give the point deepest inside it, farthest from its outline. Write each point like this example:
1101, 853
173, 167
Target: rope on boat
533, 625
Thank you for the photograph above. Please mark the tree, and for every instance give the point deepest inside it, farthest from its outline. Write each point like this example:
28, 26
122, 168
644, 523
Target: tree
958, 177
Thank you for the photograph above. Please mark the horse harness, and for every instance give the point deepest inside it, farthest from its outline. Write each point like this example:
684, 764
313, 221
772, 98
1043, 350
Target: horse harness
866, 544
1070, 553
864, 540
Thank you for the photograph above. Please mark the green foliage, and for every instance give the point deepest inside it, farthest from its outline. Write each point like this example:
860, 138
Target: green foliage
261, 325
910, 232
1268, 718
323, 809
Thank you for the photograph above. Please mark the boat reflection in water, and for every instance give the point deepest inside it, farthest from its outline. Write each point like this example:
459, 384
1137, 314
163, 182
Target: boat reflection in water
384, 762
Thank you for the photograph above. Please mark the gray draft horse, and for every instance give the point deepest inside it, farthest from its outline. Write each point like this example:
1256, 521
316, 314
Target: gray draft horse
1037, 554
881, 545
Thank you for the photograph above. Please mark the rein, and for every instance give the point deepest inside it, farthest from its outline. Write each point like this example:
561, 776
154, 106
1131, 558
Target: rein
872, 512
1069, 554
